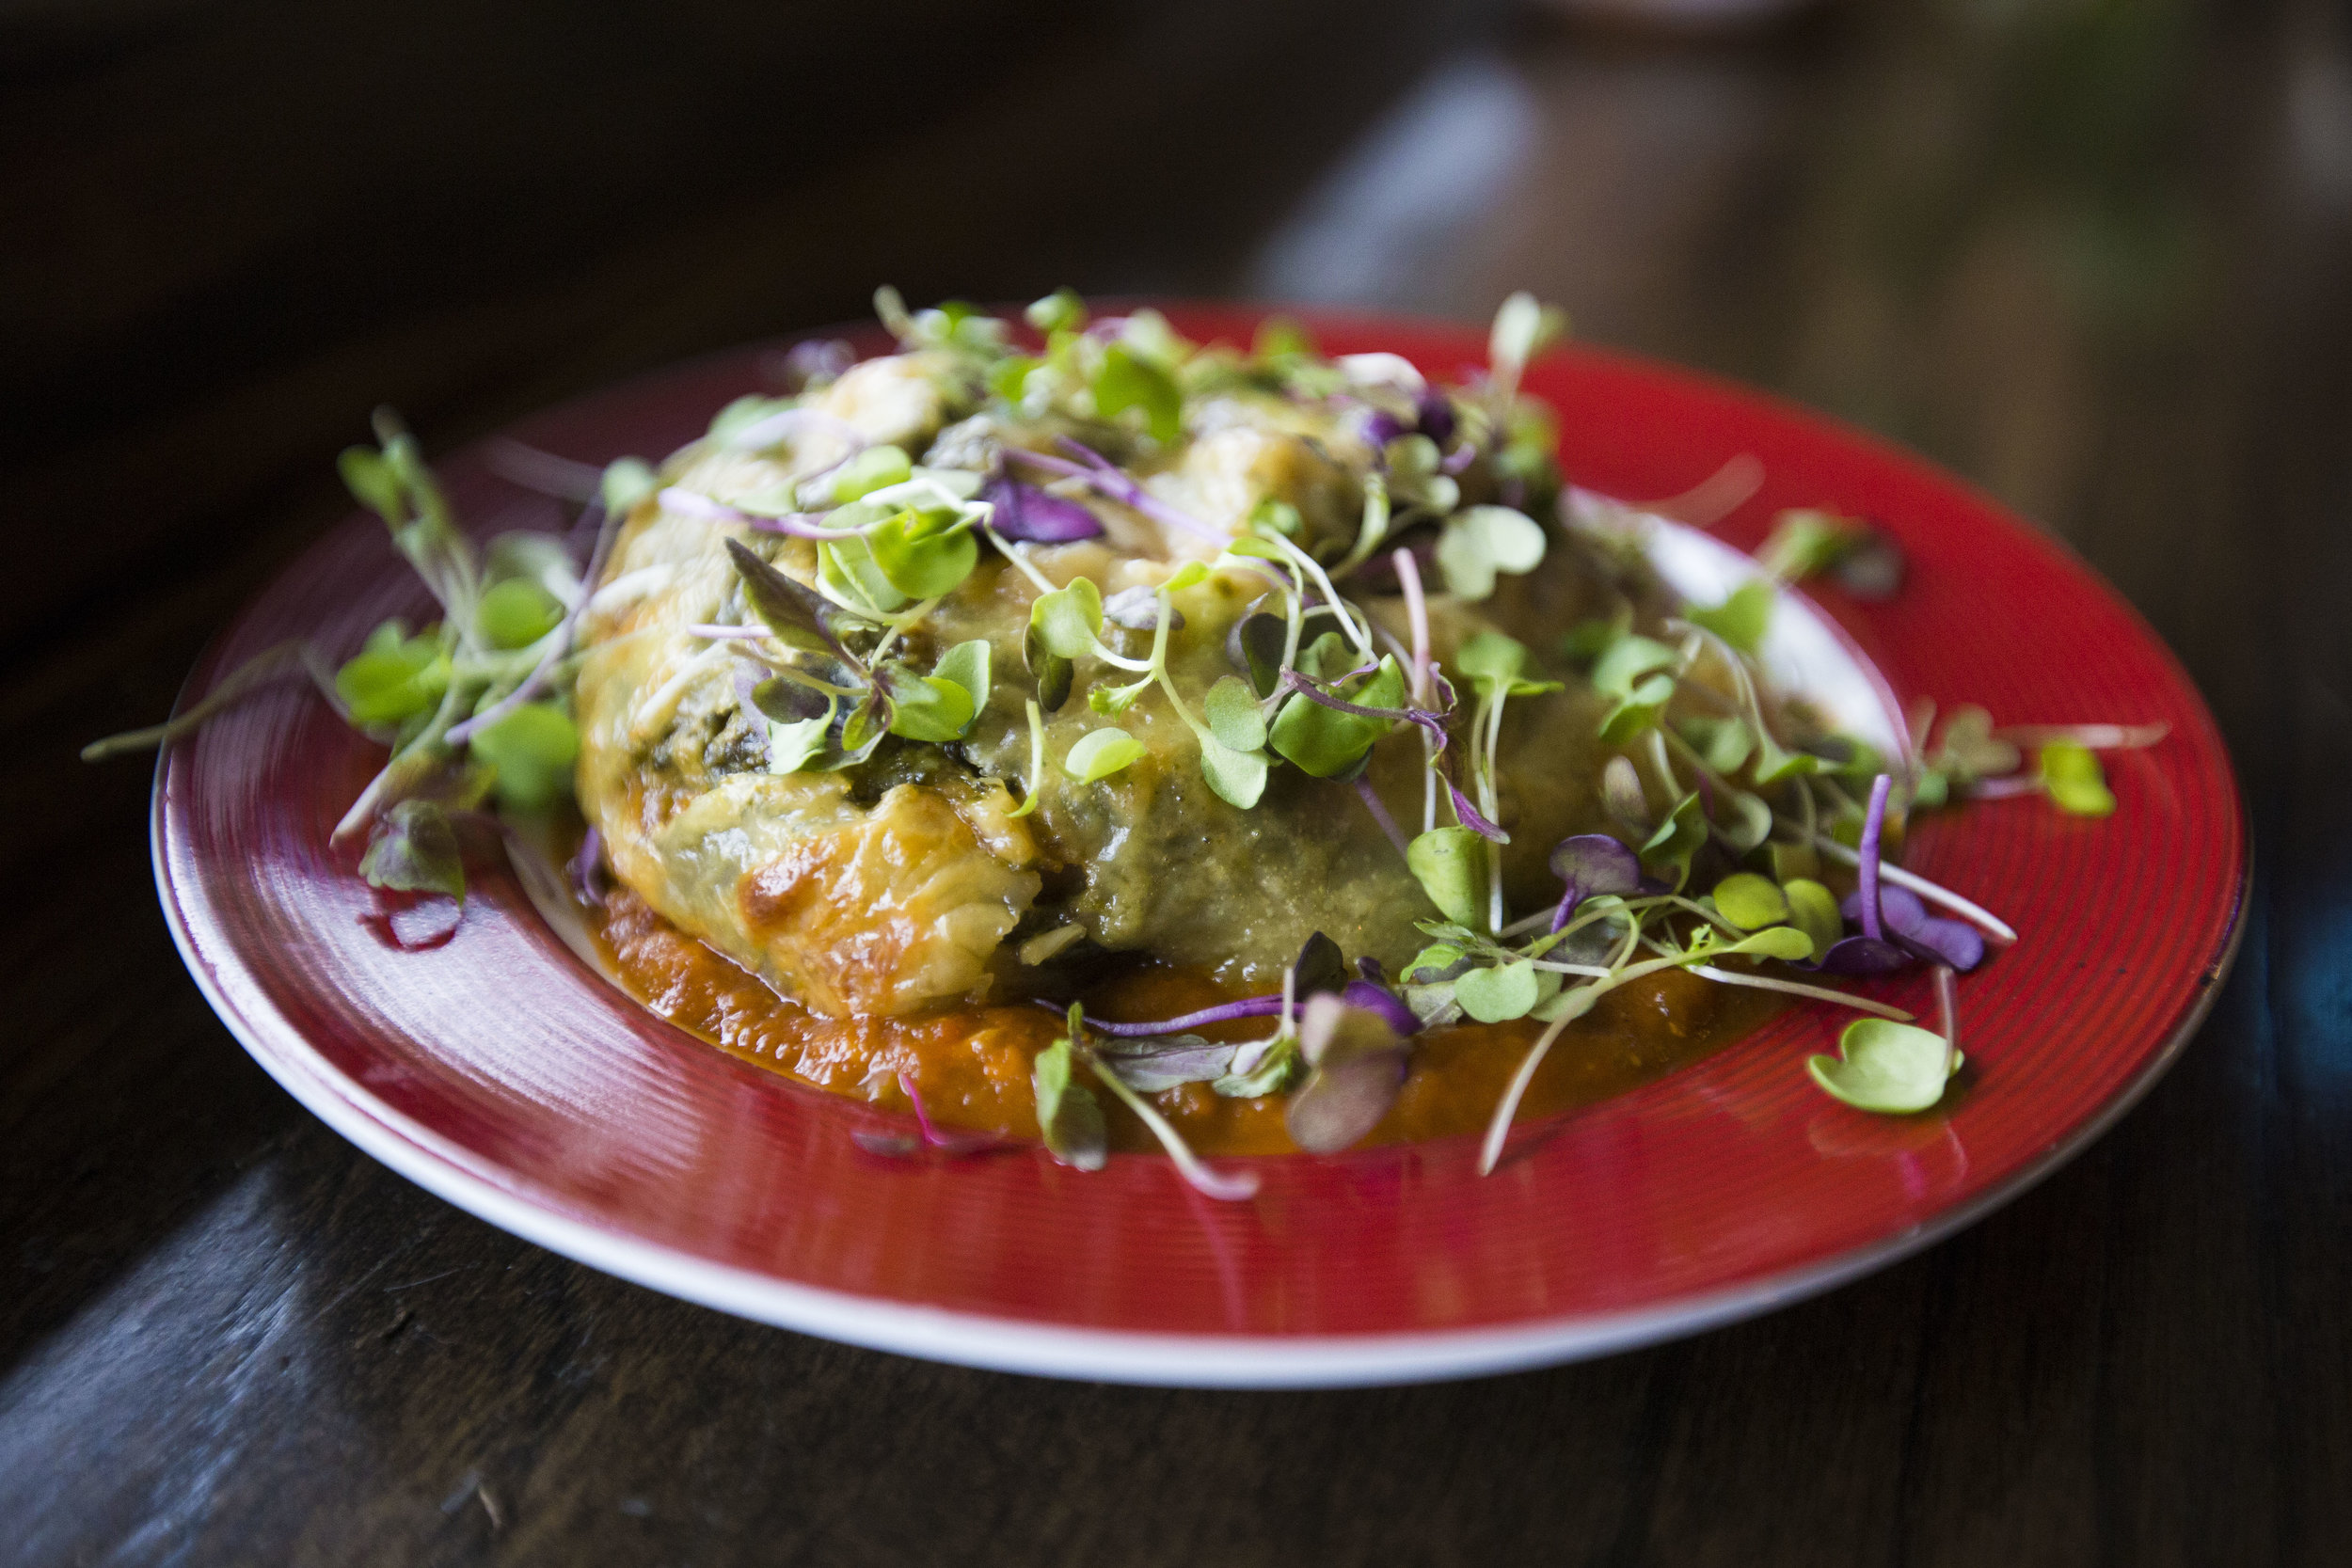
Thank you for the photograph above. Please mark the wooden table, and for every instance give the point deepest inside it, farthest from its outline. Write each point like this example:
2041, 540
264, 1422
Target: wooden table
2097, 257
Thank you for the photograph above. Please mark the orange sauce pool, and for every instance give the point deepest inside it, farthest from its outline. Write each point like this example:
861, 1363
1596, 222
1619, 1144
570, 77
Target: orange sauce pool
972, 1064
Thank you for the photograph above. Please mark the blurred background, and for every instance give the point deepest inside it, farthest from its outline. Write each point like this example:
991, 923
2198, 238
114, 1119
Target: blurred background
2095, 255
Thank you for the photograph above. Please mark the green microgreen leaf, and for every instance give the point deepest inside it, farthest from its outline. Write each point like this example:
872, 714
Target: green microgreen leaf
927, 708
1667, 853
1785, 943
1774, 764
794, 743
1804, 542
1099, 753
626, 485
414, 849
1626, 662
1813, 910
516, 613
1892, 1069
848, 566
1063, 310
1523, 327
1750, 901
2077, 784
1478, 542
532, 748
869, 471
1009, 378
1260, 639
967, 665
1274, 1072
1238, 775
1233, 716
1451, 865
1067, 1113
1724, 744
1503, 993
393, 678
1128, 380
1325, 742
1637, 710
1069, 619
924, 554
1751, 821
1741, 619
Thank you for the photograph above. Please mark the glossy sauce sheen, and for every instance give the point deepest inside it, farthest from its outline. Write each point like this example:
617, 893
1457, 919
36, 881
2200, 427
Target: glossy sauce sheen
972, 1064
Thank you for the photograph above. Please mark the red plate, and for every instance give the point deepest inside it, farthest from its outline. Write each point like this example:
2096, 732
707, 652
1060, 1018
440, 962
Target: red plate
489, 1065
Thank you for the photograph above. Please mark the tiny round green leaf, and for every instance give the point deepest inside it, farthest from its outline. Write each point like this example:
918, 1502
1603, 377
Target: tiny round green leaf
1099, 753
1892, 1069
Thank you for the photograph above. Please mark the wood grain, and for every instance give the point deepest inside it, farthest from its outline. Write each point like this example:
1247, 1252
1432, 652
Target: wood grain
2094, 257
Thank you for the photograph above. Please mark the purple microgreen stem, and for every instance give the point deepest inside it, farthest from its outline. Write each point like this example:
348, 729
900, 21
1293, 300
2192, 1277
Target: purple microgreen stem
1269, 1006
1379, 809
1107, 479
1920, 885
1873, 825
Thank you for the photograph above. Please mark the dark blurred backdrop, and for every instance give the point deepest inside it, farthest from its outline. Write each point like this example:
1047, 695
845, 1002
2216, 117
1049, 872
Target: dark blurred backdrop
2096, 255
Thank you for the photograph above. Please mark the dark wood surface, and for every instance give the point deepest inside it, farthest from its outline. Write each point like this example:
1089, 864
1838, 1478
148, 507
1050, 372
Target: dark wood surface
2098, 258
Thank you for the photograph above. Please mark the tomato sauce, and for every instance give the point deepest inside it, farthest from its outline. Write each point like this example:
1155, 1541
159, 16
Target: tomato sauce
972, 1065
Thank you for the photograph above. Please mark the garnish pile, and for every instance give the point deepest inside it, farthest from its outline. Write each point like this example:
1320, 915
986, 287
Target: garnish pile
997, 608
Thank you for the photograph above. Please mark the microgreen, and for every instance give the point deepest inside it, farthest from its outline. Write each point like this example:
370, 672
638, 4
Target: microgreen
1892, 1069
1026, 512
532, 748
2077, 784
1813, 910
1590, 864
1451, 865
1504, 991
1319, 733
1741, 619
1099, 753
1666, 854
414, 849
867, 471
1478, 542
923, 554
394, 677
1750, 901
1523, 327
1128, 380
1358, 1065
516, 613
1067, 1112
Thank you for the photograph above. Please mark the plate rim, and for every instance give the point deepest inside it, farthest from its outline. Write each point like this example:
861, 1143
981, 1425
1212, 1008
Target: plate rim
1265, 1361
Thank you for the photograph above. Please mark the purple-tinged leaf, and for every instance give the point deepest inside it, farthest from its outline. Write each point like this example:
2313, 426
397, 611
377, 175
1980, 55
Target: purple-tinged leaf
1930, 938
1863, 956
1374, 997
1472, 820
1156, 1063
1359, 1065
1037, 517
1320, 967
1437, 417
1591, 863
